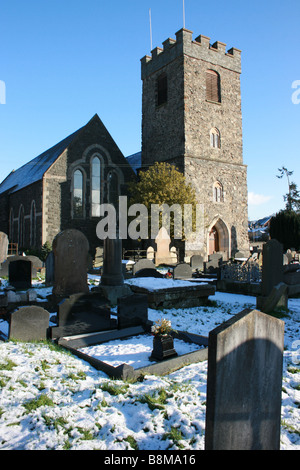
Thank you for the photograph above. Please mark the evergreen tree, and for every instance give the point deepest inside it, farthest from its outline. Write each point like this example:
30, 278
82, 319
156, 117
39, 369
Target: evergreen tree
162, 184
285, 227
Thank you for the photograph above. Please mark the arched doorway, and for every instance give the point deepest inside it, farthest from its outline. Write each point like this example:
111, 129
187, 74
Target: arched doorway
213, 241
218, 237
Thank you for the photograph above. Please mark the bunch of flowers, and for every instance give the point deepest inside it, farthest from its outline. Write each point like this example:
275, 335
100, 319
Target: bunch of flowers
161, 327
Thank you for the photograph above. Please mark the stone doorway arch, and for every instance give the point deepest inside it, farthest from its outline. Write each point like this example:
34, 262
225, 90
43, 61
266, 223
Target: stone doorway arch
218, 238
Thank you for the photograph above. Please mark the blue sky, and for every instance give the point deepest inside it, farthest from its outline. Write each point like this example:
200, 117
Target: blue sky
64, 61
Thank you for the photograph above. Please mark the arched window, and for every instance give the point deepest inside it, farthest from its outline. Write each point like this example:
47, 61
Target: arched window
33, 225
213, 86
96, 186
21, 227
218, 192
77, 194
215, 140
11, 225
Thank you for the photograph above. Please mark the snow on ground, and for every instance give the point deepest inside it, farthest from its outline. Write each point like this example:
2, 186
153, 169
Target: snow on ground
50, 399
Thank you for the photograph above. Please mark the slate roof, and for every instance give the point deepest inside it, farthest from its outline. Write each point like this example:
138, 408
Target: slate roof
34, 170
135, 161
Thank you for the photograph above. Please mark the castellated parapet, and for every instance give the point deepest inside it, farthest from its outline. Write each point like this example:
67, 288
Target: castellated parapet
200, 48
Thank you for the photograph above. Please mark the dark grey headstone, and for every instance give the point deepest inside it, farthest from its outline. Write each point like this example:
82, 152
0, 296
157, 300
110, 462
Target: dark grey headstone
82, 313
132, 310
49, 264
243, 406
70, 249
112, 272
29, 324
19, 273
272, 269
182, 271
146, 272
143, 264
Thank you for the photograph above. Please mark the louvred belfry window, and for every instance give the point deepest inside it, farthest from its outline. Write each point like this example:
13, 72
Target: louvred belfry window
162, 90
213, 86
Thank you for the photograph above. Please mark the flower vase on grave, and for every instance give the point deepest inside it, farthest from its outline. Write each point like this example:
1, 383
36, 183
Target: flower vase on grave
163, 341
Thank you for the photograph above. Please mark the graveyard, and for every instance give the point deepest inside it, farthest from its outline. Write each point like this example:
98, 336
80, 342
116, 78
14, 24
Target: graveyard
77, 369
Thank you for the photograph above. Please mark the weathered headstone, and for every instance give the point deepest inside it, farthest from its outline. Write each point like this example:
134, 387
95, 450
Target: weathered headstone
272, 276
212, 266
19, 273
182, 271
70, 249
150, 253
29, 324
143, 264
132, 310
112, 273
272, 269
243, 406
196, 262
162, 254
3, 247
49, 263
149, 272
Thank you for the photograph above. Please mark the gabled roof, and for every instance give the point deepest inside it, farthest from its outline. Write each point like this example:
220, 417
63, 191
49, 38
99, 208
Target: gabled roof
34, 170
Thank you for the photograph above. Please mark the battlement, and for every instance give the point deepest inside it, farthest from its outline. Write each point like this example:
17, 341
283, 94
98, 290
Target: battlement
200, 48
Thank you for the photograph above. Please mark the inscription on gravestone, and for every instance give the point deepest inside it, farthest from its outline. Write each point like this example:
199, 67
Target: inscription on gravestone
70, 249
29, 324
245, 356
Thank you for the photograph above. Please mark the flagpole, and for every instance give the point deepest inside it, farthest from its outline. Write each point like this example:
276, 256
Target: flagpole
183, 15
150, 28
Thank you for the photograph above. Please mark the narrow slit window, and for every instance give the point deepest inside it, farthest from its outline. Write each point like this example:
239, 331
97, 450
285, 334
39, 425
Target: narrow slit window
162, 90
96, 187
215, 140
78, 194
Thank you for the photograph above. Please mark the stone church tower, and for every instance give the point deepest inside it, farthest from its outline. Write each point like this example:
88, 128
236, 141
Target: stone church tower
191, 117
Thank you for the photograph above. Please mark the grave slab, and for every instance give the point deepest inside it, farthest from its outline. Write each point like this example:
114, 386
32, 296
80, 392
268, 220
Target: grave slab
244, 380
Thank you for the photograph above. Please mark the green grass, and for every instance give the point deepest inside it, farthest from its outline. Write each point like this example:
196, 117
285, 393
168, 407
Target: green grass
35, 403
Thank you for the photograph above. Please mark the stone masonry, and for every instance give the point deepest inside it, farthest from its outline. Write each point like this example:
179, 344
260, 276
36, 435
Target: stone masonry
179, 131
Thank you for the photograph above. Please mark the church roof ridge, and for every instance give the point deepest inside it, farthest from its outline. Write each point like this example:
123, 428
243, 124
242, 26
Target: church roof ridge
34, 170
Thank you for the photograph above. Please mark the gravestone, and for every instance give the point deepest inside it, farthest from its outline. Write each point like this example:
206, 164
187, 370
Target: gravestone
196, 262
163, 254
29, 324
272, 269
149, 272
112, 272
132, 310
182, 271
19, 272
243, 405
81, 314
49, 263
143, 264
212, 266
3, 247
70, 249
150, 253
272, 278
